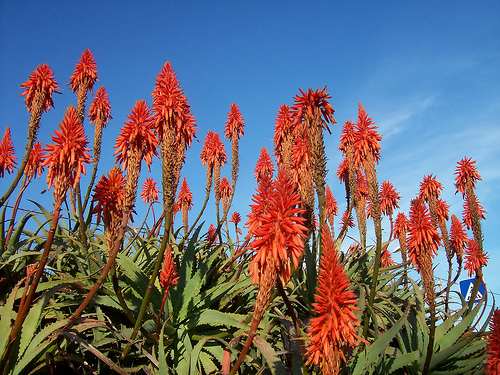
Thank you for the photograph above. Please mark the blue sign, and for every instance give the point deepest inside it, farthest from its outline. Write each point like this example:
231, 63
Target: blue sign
466, 287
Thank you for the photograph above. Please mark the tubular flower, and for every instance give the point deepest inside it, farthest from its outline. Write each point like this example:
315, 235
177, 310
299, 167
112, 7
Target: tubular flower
211, 235
310, 103
386, 260
278, 238
458, 238
168, 275
475, 259
66, 157
347, 137
443, 210
185, 198
283, 136
7, 158
40, 83
85, 74
367, 139
235, 218
150, 191
261, 199
137, 136
34, 167
389, 198
430, 188
466, 173
331, 207
109, 195
423, 238
225, 192
213, 152
264, 166
332, 332
493, 348
467, 214
401, 225
234, 124
100, 110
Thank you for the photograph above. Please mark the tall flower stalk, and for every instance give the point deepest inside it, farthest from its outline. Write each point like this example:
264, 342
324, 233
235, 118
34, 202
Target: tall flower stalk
65, 160
185, 202
38, 90
277, 233
423, 241
332, 332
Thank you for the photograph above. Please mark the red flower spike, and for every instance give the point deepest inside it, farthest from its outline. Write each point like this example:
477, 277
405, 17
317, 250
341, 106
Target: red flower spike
277, 229
108, 195
66, 158
467, 217
185, 197
401, 224
423, 237
168, 275
150, 191
493, 348
331, 207
234, 123
211, 234
475, 259
7, 158
366, 138
100, 110
264, 166
171, 108
458, 237
306, 103
466, 172
332, 332
430, 187
443, 209
283, 129
347, 217
85, 72
225, 188
42, 81
213, 150
386, 260
235, 218
34, 167
343, 171
389, 198
347, 137
137, 135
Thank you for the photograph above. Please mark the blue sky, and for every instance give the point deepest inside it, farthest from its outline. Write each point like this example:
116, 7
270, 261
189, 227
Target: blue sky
426, 72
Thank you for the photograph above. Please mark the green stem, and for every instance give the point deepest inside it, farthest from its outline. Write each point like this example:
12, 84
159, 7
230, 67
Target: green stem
156, 270
430, 347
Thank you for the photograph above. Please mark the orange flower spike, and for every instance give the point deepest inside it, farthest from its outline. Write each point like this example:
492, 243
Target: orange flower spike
347, 137
430, 188
211, 237
225, 188
493, 348
235, 218
331, 207
283, 135
466, 173
42, 82
423, 237
34, 167
100, 110
366, 138
85, 73
169, 276
234, 124
343, 171
458, 238
401, 224
66, 158
467, 216
185, 197
443, 209
108, 196
7, 158
386, 259
306, 103
279, 230
137, 135
150, 191
475, 259
264, 166
213, 151
332, 332
389, 198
